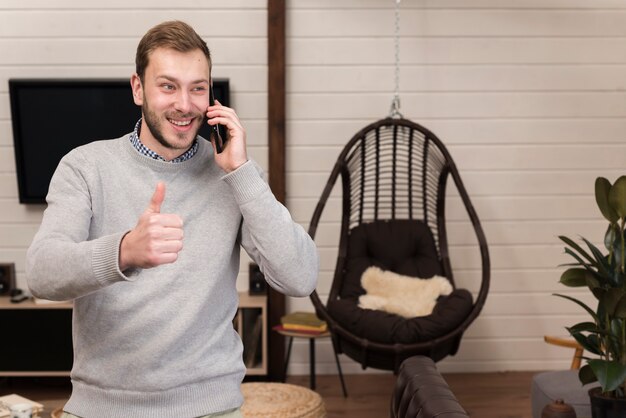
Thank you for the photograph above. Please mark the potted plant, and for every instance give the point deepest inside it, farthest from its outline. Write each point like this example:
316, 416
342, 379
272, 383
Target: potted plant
603, 272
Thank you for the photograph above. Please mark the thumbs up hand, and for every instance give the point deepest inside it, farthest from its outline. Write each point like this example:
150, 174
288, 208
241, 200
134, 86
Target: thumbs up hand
156, 239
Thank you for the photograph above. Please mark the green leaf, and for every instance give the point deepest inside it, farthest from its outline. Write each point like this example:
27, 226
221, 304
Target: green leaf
620, 309
595, 279
592, 280
610, 374
578, 258
585, 307
598, 292
578, 248
574, 277
584, 327
617, 197
613, 340
586, 376
610, 236
602, 262
611, 299
603, 187
588, 343
593, 344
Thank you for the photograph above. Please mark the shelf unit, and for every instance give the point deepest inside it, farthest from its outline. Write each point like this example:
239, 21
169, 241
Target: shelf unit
38, 336
251, 324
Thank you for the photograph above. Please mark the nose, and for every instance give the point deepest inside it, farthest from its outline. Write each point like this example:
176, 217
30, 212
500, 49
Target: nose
183, 102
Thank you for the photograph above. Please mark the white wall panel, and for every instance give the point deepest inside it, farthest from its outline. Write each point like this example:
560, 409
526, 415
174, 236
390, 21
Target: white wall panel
519, 131
458, 50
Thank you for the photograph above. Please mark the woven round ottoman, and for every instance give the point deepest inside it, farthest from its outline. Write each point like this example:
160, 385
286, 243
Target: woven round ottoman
280, 400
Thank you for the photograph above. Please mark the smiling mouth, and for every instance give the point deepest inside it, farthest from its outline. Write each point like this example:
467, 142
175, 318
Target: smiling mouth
180, 122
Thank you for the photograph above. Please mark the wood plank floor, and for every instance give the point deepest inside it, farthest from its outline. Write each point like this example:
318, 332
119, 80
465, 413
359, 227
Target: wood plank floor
483, 395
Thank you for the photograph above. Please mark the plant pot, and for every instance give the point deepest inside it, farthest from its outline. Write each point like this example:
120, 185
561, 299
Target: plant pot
606, 407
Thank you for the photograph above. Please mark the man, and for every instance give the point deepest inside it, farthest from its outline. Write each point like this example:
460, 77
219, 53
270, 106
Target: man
144, 231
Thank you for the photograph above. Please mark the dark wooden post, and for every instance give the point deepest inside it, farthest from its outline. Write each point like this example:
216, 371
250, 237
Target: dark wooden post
276, 142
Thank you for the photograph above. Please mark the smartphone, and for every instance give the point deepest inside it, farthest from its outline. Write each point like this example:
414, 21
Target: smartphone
218, 135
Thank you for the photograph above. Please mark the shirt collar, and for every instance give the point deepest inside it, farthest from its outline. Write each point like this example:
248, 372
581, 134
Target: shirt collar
139, 146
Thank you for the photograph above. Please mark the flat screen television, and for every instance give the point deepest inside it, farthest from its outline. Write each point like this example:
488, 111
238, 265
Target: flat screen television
50, 117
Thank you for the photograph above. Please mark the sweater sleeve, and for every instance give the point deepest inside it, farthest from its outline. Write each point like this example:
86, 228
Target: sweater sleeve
62, 263
283, 250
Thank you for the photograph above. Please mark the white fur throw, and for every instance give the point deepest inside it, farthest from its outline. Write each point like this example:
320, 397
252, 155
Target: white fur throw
401, 295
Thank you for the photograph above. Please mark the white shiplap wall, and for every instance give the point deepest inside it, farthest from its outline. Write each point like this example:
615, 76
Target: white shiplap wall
527, 94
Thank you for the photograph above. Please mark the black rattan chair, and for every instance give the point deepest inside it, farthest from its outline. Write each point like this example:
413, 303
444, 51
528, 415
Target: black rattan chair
394, 174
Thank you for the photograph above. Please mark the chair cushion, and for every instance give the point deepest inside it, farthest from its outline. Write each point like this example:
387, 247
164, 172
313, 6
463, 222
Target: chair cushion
405, 247
385, 327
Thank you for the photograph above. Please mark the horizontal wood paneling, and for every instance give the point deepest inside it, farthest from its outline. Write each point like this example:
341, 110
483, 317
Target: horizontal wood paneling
459, 4
451, 77
31, 51
142, 5
480, 22
471, 157
457, 50
501, 131
98, 23
461, 105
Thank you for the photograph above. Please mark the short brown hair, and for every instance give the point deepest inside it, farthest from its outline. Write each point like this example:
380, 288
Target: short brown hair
173, 34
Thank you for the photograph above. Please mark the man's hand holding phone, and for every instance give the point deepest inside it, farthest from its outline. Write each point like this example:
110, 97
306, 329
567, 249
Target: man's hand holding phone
229, 142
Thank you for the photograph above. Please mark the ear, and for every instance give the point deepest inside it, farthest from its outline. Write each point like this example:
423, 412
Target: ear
135, 84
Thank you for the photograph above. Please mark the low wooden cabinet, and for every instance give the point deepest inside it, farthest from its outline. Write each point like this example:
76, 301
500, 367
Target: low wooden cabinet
37, 338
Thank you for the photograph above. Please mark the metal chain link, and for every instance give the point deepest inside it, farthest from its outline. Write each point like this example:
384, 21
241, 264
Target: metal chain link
395, 103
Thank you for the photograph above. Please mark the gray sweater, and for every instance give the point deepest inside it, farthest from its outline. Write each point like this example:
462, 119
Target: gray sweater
160, 342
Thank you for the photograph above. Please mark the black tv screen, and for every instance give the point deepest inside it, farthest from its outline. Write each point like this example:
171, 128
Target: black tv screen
50, 117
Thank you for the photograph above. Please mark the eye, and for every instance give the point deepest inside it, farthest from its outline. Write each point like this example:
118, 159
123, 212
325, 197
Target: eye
199, 89
166, 86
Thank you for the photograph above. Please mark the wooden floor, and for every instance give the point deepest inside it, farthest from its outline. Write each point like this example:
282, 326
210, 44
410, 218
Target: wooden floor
485, 395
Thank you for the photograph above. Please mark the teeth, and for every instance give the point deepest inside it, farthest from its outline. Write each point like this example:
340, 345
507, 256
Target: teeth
180, 122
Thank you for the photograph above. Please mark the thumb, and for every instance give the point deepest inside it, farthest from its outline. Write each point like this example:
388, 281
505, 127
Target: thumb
157, 198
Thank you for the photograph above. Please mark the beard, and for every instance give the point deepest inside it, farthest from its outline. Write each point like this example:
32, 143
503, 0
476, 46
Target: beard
155, 125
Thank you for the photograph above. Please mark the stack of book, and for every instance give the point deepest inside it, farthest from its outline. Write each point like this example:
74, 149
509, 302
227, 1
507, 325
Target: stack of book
305, 322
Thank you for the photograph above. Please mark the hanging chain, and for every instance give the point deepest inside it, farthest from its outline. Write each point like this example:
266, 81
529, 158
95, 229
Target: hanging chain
395, 103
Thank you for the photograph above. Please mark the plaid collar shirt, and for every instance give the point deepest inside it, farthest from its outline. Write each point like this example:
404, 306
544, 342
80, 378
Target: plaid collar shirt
139, 146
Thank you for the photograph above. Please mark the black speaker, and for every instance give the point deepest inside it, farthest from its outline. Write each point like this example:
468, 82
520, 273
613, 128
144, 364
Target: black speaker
257, 284
7, 278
